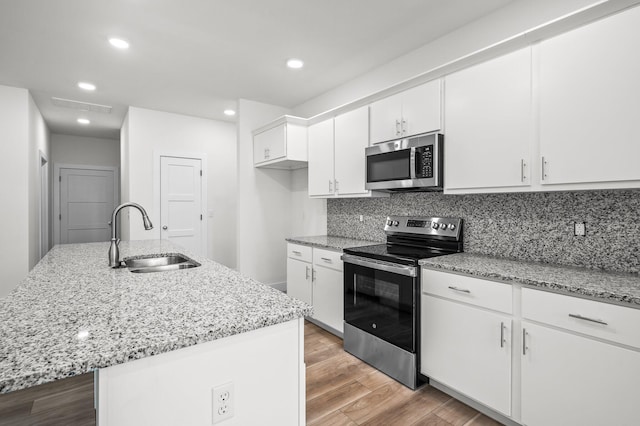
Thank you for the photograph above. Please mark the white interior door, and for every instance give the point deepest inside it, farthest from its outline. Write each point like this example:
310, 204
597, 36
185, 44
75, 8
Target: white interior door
181, 202
87, 199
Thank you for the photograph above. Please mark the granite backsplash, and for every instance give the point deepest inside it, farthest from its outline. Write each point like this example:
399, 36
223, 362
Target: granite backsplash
526, 226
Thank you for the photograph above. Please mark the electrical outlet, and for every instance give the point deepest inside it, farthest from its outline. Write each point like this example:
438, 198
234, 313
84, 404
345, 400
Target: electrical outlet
579, 229
361, 218
223, 399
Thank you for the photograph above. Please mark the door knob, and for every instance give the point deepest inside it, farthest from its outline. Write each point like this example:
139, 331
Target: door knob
165, 227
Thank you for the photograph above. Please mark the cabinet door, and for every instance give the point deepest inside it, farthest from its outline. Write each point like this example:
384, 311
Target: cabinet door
385, 119
488, 122
589, 109
328, 297
467, 349
299, 280
351, 139
321, 159
269, 144
421, 109
572, 380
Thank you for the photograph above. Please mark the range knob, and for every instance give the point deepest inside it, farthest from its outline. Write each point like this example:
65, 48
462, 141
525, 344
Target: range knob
435, 225
396, 223
452, 226
389, 222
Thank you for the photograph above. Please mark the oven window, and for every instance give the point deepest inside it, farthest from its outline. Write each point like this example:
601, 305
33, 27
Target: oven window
389, 166
381, 303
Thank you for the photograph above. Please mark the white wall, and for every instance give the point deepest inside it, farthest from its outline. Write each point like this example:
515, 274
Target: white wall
123, 219
68, 149
145, 132
308, 216
14, 143
506, 22
39, 141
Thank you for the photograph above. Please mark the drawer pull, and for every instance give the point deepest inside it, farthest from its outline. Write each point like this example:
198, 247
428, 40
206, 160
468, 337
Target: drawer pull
524, 341
297, 253
326, 259
577, 316
307, 274
461, 290
502, 335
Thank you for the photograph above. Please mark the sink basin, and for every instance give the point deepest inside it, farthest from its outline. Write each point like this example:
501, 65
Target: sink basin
160, 263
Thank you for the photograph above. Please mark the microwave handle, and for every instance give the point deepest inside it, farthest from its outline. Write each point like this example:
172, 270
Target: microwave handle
412, 163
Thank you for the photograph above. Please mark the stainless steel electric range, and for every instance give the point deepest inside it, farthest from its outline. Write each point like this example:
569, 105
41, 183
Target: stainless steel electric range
382, 292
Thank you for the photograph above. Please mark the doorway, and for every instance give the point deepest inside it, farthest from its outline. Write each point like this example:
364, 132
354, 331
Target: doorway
84, 198
181, 197
43, 210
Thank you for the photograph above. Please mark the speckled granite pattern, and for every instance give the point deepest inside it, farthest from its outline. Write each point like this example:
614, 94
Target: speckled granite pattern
527, 226
330, 242
73, 314
611, 287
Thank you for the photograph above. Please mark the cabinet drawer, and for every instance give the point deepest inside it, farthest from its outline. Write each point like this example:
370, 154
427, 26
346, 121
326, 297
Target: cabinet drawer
487, 294
327, 258
300, 252
603, 320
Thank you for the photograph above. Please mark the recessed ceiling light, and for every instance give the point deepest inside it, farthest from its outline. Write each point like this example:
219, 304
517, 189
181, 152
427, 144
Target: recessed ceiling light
83, 121
86, 86
229, 112
295, 63
119, 43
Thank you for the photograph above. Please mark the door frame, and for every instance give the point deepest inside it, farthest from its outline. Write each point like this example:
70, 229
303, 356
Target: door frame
157, 155
56, 190
44, 208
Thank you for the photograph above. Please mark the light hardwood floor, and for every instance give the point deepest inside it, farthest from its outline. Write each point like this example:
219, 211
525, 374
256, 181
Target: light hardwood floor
342, 390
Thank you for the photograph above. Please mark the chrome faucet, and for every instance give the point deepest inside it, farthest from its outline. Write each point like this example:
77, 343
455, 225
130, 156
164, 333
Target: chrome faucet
114, 252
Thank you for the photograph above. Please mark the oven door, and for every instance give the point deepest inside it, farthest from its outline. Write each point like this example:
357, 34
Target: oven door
380, 298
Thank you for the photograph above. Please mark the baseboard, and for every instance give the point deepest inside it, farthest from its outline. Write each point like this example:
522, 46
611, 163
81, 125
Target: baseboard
280, 286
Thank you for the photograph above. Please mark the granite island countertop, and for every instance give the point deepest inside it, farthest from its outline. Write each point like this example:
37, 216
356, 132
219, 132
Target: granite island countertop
611, 287
73, 314
330, 242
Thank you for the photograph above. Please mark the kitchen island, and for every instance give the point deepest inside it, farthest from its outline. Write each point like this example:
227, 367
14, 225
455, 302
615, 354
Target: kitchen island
160, 342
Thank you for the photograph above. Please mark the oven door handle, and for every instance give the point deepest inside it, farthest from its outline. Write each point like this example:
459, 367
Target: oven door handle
409, 271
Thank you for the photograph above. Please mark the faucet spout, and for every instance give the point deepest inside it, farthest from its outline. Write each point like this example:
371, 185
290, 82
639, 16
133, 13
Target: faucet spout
114, 252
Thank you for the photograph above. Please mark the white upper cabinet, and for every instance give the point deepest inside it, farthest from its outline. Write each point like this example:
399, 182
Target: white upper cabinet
321, 173
337, 158
351, 139
281, 144
589, 108
488, 124
412, 112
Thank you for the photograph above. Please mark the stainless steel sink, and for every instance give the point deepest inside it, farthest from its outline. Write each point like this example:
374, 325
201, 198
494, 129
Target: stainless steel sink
159, 263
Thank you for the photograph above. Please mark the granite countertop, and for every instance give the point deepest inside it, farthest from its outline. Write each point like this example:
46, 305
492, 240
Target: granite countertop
329, 242
611, 287
74, 314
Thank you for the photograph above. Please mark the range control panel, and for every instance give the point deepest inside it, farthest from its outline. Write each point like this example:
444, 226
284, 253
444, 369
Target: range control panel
441, 226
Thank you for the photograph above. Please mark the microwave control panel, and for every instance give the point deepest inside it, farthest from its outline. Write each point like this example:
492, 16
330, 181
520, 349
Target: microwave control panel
424, 162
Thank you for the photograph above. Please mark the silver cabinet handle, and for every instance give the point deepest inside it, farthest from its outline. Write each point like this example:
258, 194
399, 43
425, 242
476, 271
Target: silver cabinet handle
461, 290
355, 288
580, 317
165, 227
397, 127
326, 259
524, 341
330, 185
522, 166
404, 126
337, 185
306, 277
544, 172
297, 253
502, 335
313, 274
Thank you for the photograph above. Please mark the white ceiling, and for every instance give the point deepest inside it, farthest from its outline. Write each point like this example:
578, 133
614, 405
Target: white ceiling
197, 57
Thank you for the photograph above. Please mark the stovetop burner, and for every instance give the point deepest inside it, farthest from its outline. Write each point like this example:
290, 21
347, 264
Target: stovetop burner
411, 238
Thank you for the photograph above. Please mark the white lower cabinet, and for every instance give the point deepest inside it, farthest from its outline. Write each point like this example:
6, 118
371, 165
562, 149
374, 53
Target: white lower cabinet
314, 276
465, 347
558, 360
573, 380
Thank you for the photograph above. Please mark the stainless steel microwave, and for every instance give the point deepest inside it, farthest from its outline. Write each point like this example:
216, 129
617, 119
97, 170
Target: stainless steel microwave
411, 164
